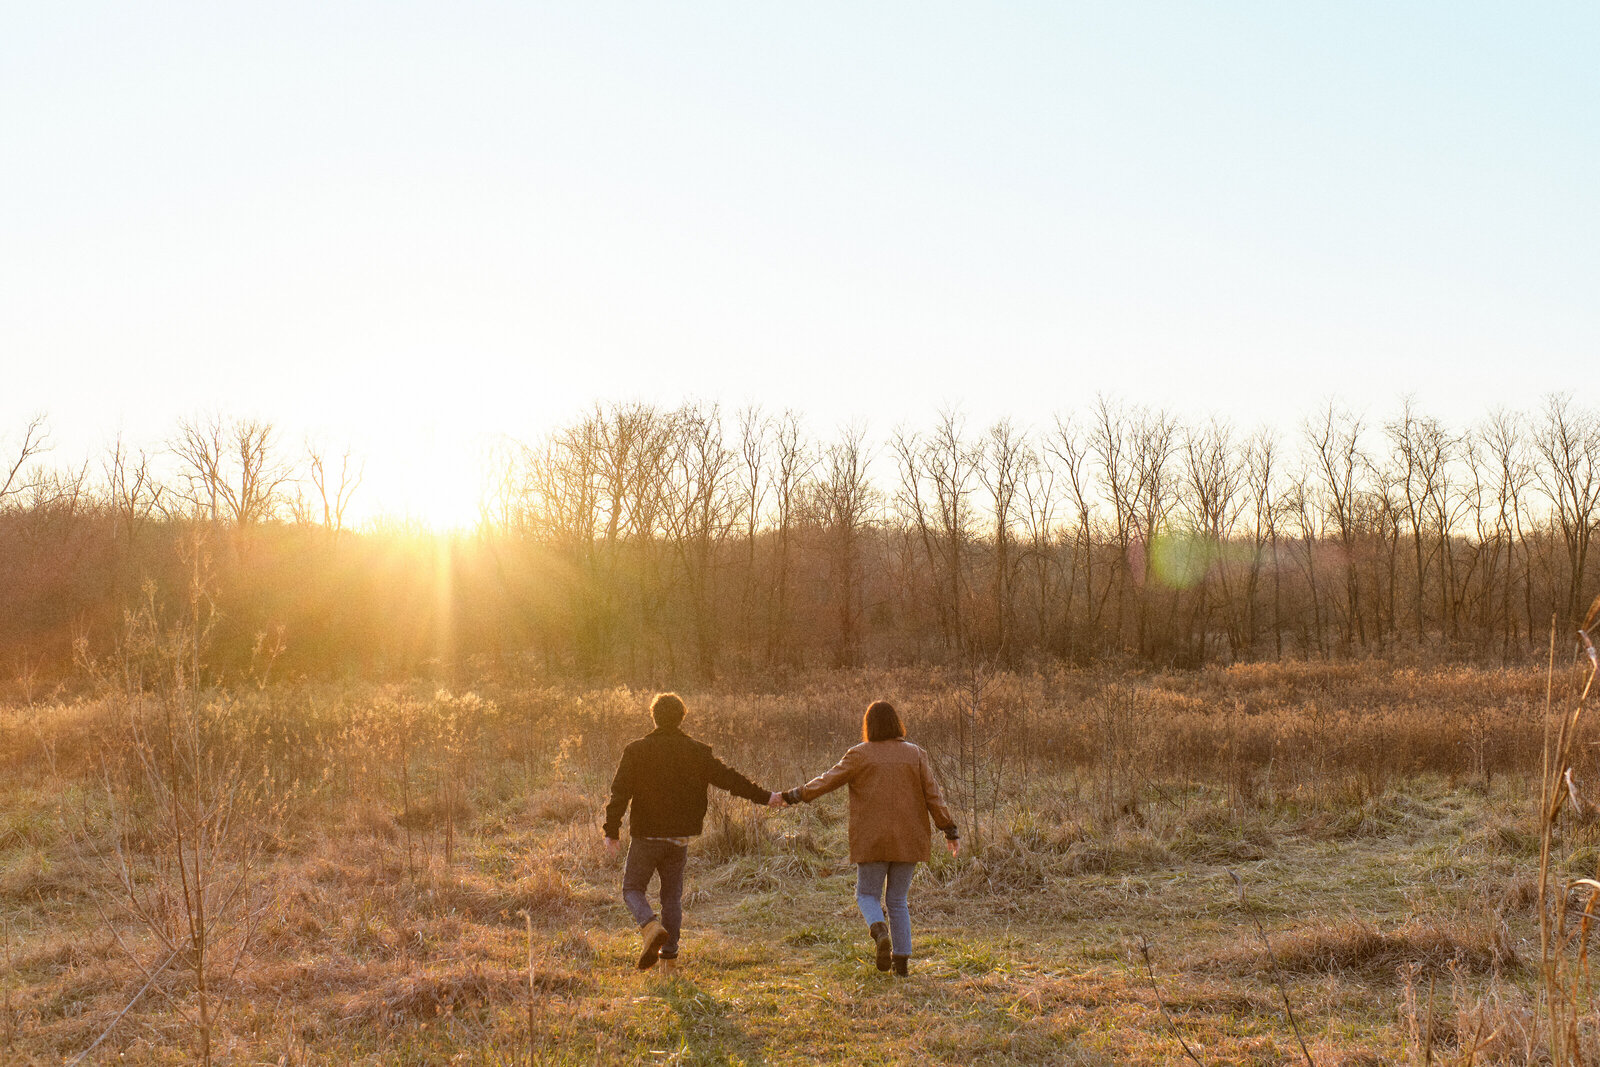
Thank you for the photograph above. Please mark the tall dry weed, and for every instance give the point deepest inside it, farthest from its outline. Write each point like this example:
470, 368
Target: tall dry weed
1564, 959
186, 812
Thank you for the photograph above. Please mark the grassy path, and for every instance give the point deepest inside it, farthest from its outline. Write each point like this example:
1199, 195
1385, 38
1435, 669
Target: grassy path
1028, 956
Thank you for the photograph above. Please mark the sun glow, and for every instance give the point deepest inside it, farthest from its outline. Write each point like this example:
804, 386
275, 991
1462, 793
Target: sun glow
432, 478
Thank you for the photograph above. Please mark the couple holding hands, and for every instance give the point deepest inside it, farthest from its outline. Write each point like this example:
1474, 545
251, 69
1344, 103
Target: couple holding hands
893, 792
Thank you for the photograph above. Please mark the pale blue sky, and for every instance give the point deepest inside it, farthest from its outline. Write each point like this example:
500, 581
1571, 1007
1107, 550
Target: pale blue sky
411, 226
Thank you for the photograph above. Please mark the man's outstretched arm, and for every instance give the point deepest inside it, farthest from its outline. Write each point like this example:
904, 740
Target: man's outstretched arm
723, 776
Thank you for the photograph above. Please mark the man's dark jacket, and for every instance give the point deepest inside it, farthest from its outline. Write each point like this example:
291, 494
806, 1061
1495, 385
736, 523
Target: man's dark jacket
665, 774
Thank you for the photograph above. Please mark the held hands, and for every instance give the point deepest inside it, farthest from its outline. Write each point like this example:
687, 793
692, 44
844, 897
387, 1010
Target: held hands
776, 801
612, 846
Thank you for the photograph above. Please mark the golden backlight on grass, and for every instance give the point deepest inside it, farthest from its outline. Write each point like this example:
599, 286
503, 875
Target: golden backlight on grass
414, 872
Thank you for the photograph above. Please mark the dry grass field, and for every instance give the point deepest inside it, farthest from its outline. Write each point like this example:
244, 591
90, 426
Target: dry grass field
413, 875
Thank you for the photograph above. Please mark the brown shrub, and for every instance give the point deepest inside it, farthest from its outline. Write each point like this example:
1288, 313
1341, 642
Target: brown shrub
573, 945
424, 994
433, 813
59, 954
1222, 835
1356, 946
35, 880
1039, 830
1121, 854
1521, 893
543, 893
562, 802
374, 821
730, 835
1007, 867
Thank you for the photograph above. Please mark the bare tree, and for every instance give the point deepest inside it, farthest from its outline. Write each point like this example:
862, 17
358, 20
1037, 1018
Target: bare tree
1452, 499
1383, 515
1071, 449
1002, 458
1261, 457
56, 499
131, 489
552, 506
937, 479
1421, 446
334, 489
1303, 504
795, 460
846, 499
595, 493
1505, 441
1335, 440
1568, 441
1487, 545
1215, 473
19, 477
1111, 442
701, 509
950, 463
230, 469
755, 431
1038, 514
921, 515
1154, 442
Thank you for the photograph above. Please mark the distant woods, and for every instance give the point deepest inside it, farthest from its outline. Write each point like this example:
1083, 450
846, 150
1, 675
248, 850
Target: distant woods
639, 541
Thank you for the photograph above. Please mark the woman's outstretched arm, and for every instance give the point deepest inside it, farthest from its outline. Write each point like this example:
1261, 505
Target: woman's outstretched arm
828, 780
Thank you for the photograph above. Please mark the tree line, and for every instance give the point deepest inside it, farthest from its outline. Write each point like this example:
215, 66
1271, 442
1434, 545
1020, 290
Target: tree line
638, 540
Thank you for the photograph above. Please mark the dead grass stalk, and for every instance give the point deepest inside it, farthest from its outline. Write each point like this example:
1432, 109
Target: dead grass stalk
1277, 976
1150, 971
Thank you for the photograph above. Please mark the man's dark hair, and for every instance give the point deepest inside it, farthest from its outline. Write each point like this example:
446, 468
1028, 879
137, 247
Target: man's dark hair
881, 722
667, 709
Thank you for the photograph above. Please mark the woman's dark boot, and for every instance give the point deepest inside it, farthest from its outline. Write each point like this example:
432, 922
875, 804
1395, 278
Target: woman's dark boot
880, 936
900, 965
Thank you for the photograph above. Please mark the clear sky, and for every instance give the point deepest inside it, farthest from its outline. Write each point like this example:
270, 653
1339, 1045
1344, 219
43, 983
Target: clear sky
410, 227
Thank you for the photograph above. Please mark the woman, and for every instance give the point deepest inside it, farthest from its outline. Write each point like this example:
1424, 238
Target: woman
892, 793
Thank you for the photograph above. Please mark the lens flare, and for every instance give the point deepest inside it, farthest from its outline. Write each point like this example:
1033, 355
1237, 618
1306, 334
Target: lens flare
1179, 561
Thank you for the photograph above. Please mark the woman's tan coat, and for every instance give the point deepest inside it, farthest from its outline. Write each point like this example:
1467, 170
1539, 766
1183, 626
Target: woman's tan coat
892, 793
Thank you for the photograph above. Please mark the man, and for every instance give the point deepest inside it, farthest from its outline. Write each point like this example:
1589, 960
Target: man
664, 774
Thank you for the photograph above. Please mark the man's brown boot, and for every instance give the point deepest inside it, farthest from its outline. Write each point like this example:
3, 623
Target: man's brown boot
900, 965
880, 935
669, 966
655, 936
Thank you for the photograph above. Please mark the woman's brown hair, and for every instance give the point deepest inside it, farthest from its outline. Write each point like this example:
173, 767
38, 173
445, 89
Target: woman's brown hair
881, 722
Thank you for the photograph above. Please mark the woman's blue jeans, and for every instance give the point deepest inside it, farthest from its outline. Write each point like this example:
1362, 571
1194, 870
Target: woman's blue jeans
870, 884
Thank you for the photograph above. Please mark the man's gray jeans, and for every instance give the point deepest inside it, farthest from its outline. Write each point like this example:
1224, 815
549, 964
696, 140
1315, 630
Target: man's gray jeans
647, 857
